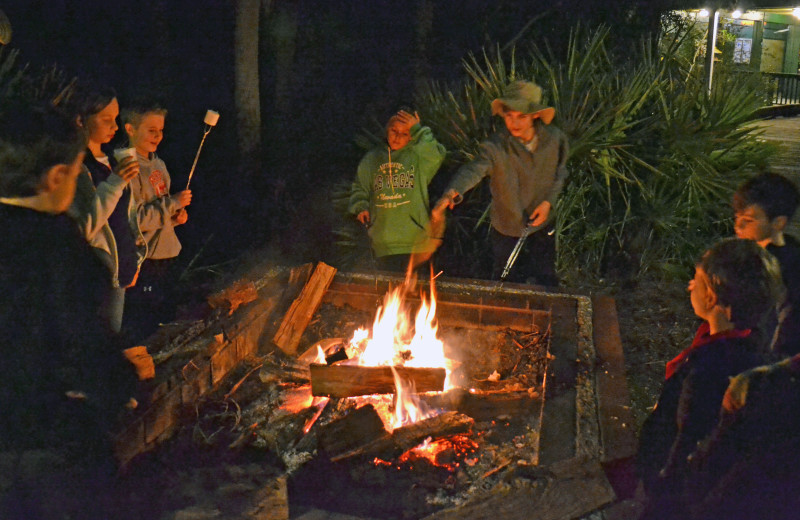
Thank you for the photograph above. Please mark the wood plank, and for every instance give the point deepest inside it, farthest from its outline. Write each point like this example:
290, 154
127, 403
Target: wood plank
562, 491
358, 427
271, 502
303, 308
613, 399
354, 380
485, 406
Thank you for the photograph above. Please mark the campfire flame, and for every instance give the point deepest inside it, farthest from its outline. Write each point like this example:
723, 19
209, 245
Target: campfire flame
408, 408
396, 339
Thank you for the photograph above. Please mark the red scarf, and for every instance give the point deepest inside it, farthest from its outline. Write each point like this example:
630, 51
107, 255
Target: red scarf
701, 338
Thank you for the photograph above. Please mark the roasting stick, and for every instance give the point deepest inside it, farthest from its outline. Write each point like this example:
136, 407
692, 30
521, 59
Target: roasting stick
210, 121
512, 258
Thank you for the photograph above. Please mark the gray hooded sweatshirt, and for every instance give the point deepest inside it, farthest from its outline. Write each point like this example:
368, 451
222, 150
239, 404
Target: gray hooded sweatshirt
155, 208
519, 180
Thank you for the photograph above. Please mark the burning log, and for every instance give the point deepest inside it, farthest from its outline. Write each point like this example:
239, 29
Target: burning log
303, 308
483, 406
354, 380
275, 369
358, 427
406, 437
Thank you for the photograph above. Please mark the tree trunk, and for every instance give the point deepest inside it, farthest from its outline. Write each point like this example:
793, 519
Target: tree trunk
283, 32
422, 37
248, 100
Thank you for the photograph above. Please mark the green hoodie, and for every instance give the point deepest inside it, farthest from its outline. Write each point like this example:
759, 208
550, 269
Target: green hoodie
393, 186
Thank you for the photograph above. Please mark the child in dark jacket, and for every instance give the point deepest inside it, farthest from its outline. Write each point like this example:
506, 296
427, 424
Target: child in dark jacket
750, 465
764, 205
62, 381
736, 282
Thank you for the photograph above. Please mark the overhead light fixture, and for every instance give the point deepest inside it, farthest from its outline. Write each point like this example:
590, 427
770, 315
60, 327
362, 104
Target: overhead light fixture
737, 14
704, 12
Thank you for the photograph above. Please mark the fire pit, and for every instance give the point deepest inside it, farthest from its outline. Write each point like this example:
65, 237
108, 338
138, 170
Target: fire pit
525, 411
521, 395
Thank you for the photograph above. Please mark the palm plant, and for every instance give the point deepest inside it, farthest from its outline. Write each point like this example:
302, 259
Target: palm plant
654, 156
19, 82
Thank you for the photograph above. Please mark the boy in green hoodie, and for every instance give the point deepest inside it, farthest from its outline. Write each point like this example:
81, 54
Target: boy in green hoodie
390, 192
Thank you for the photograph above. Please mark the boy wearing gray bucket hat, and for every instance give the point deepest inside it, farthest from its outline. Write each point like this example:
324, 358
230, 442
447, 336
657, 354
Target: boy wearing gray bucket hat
526, 165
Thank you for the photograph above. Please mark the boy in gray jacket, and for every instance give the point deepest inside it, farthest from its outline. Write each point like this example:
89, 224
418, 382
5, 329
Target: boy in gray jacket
158, 214
525, 163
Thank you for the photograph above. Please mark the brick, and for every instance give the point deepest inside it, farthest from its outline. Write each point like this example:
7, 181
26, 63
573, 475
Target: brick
222, 362
129, 442
162, 416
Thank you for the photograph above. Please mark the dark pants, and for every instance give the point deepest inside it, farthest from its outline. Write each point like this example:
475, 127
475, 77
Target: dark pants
392, 262
399, 263
152, 300
536, 263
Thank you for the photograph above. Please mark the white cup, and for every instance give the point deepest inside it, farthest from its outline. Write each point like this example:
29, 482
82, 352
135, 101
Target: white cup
120, 154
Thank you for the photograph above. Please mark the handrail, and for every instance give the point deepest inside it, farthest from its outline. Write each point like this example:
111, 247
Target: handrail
785, 88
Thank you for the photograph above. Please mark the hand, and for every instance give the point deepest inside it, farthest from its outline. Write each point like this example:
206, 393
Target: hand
363, 217
183, 198
540, 214
408, 119
438, 211
127, 169
448, 201
180, 217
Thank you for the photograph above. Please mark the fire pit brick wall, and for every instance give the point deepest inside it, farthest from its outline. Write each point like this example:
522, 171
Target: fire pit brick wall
594, 398
219, 347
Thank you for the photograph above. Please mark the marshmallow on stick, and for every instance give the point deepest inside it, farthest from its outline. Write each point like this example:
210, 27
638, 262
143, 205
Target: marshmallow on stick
211, 118
210, 122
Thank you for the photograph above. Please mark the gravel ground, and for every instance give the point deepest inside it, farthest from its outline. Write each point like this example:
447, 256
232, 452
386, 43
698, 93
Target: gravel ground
656, 322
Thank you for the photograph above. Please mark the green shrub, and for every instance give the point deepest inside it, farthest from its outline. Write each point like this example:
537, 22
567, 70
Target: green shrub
654, 156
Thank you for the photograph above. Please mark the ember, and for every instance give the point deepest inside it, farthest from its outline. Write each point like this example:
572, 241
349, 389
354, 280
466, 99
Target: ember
445, 452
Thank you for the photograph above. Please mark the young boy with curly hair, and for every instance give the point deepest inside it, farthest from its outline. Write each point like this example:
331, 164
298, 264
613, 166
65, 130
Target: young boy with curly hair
735, 284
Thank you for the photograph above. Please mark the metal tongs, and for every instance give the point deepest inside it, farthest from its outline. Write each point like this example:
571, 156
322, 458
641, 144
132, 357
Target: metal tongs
512, 258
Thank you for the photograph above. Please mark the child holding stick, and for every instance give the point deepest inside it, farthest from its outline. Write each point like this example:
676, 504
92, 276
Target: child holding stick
158, 214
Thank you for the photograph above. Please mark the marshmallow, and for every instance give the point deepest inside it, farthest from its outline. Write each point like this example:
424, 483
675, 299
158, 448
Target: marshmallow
211, 118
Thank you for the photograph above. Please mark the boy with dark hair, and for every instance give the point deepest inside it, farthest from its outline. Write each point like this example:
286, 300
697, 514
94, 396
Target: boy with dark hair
158, 214
735, 284
764, 205
62, 381
390, 192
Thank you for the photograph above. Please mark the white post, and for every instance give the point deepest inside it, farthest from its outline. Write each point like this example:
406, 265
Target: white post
711, 44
